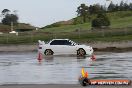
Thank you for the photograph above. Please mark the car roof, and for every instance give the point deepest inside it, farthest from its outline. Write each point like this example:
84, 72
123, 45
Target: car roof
60, 39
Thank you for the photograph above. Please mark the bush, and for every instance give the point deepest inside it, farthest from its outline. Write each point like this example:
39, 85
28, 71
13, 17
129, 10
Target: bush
100, 21
78, 20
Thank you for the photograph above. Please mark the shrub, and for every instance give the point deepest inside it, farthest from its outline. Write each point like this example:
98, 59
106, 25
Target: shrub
100, 21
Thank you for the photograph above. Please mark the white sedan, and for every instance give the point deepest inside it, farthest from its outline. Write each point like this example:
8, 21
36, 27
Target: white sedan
64, 47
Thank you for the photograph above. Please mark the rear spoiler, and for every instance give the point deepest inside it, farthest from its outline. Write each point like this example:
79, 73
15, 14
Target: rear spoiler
41, 42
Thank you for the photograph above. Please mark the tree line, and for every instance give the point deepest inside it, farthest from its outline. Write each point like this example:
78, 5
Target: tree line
8, 17
85, 12
123, 6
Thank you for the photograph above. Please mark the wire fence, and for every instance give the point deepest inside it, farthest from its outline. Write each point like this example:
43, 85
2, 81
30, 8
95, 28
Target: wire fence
34, 36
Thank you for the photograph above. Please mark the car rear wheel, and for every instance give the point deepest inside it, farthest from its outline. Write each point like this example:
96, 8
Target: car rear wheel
48, 52
81, 52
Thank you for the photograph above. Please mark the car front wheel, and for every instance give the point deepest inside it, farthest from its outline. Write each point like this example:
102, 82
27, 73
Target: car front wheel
81, 52
48, 52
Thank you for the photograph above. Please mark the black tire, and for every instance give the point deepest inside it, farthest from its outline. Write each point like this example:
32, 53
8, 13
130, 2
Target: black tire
48, 52
84, 82
81, 52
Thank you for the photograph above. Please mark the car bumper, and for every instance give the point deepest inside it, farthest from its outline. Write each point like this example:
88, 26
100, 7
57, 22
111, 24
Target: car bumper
89, 52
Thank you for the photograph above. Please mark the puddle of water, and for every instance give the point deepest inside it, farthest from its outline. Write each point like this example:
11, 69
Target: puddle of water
23, 68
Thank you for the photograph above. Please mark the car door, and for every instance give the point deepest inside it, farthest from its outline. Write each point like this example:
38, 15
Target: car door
62, 47
55, 46
68, 47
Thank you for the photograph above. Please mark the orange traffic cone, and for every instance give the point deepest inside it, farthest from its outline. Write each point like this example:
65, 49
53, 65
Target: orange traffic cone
40, 57
93, 57
84, 80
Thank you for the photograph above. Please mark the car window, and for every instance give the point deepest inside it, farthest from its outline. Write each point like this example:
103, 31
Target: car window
67, 42
60, 42
55, 42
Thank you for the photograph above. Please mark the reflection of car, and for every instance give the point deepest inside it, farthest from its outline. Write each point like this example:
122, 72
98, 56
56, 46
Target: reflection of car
64, 46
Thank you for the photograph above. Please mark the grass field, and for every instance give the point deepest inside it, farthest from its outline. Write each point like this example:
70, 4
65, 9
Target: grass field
121, 19
120, 30
110, 35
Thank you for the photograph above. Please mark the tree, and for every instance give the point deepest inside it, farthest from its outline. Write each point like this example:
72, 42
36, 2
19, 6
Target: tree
96, 8
91, 9
5, 11
82, 11
126, 6
130, 6
100, 21
111, 7
116, 8
121, 6
9, 18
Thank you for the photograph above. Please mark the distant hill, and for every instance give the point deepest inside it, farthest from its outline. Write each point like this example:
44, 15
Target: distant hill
120, 19
22, 26
69, 22
60, 23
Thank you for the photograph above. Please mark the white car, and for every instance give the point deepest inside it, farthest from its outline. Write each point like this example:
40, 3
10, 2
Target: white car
64, 47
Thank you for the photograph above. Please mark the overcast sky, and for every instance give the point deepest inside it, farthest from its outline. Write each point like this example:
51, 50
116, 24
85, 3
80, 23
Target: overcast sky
43, 12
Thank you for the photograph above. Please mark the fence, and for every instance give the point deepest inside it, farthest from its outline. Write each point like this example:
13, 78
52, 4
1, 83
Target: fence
33, 37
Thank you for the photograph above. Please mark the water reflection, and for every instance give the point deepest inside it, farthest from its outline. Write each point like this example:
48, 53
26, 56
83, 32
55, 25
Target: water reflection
48, 58
24, 68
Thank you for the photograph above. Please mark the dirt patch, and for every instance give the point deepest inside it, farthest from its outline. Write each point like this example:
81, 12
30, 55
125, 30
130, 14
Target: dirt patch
98, 46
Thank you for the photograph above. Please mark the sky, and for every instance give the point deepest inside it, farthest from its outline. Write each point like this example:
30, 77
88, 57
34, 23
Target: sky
40, 13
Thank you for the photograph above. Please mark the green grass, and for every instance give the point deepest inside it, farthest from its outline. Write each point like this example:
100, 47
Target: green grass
7, 28
121, 22
68, 28
110, 35
120, 30
121, 19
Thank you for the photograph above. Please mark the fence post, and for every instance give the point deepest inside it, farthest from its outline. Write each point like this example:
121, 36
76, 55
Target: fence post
79, 33
31, 36
7, 39
125, 31
103, 34
54, 36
